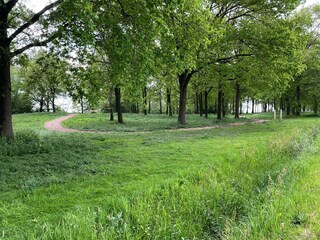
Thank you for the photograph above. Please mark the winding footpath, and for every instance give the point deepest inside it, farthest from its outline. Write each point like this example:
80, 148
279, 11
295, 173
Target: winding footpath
55, 125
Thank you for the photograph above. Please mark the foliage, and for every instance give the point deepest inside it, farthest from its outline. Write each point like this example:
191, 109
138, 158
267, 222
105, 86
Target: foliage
43, 78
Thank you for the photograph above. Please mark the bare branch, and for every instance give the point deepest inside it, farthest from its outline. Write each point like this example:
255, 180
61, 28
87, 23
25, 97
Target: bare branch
34, 44
240, 15
33, 20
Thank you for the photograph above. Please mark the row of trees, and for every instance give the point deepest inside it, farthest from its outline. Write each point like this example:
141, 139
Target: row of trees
220, 51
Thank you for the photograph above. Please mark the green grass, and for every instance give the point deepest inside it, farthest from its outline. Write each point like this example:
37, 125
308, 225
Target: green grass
256, 181
139, 122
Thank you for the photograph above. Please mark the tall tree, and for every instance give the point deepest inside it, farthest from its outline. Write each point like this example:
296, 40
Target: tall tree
16, 23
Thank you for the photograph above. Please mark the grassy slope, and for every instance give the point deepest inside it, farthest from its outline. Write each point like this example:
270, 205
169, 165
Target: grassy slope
229, 183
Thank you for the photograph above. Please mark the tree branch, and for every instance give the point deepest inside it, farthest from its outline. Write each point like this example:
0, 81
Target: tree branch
34, 44
9, 5
33, 20
228, 59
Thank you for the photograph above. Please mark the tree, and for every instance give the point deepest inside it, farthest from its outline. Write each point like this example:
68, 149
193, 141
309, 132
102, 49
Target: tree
44, 76
16, 22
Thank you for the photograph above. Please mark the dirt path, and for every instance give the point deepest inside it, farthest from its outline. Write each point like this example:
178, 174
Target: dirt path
55, 125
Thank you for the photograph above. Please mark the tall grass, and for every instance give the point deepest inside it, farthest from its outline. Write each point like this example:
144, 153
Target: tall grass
244, 197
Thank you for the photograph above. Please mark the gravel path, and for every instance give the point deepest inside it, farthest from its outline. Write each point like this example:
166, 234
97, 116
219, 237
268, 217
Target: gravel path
55, 125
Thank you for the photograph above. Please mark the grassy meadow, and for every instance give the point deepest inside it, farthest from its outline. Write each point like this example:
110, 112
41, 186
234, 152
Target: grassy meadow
138, 122
256, 181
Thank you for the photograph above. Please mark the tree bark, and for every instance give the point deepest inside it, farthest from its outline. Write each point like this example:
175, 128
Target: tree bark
252, 110
197, 103
53, 102
200, 104
47, 104
247, 112
233, 106
41, 104
275, 106
160, 102
118, 104
5, 80
237, 101
288, 106
315, 105
224, 105
149, 104
110, 104
144, 95
206, 93
298, 97
184, 80
5, 98
219, 107
81, 104
169, 106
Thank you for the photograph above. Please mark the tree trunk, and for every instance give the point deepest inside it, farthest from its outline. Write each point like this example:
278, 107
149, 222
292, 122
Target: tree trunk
219, 107
41, 104
247, 112
182, 103
237, 101
169, 106
144, 95
197, 103
48, 104
53, 104
118, 104
149, 103
160, 102
206, 93
288, 106
298, 97
110, 104
184, 80
224, 105
81, 104
252, 110
6, 129
315, 105
200, 104
233, 106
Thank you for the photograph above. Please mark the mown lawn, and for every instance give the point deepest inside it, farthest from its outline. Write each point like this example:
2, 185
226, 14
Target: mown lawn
245, 182
138, 122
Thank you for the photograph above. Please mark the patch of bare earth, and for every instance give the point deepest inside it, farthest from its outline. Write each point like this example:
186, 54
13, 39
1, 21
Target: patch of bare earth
55, 124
